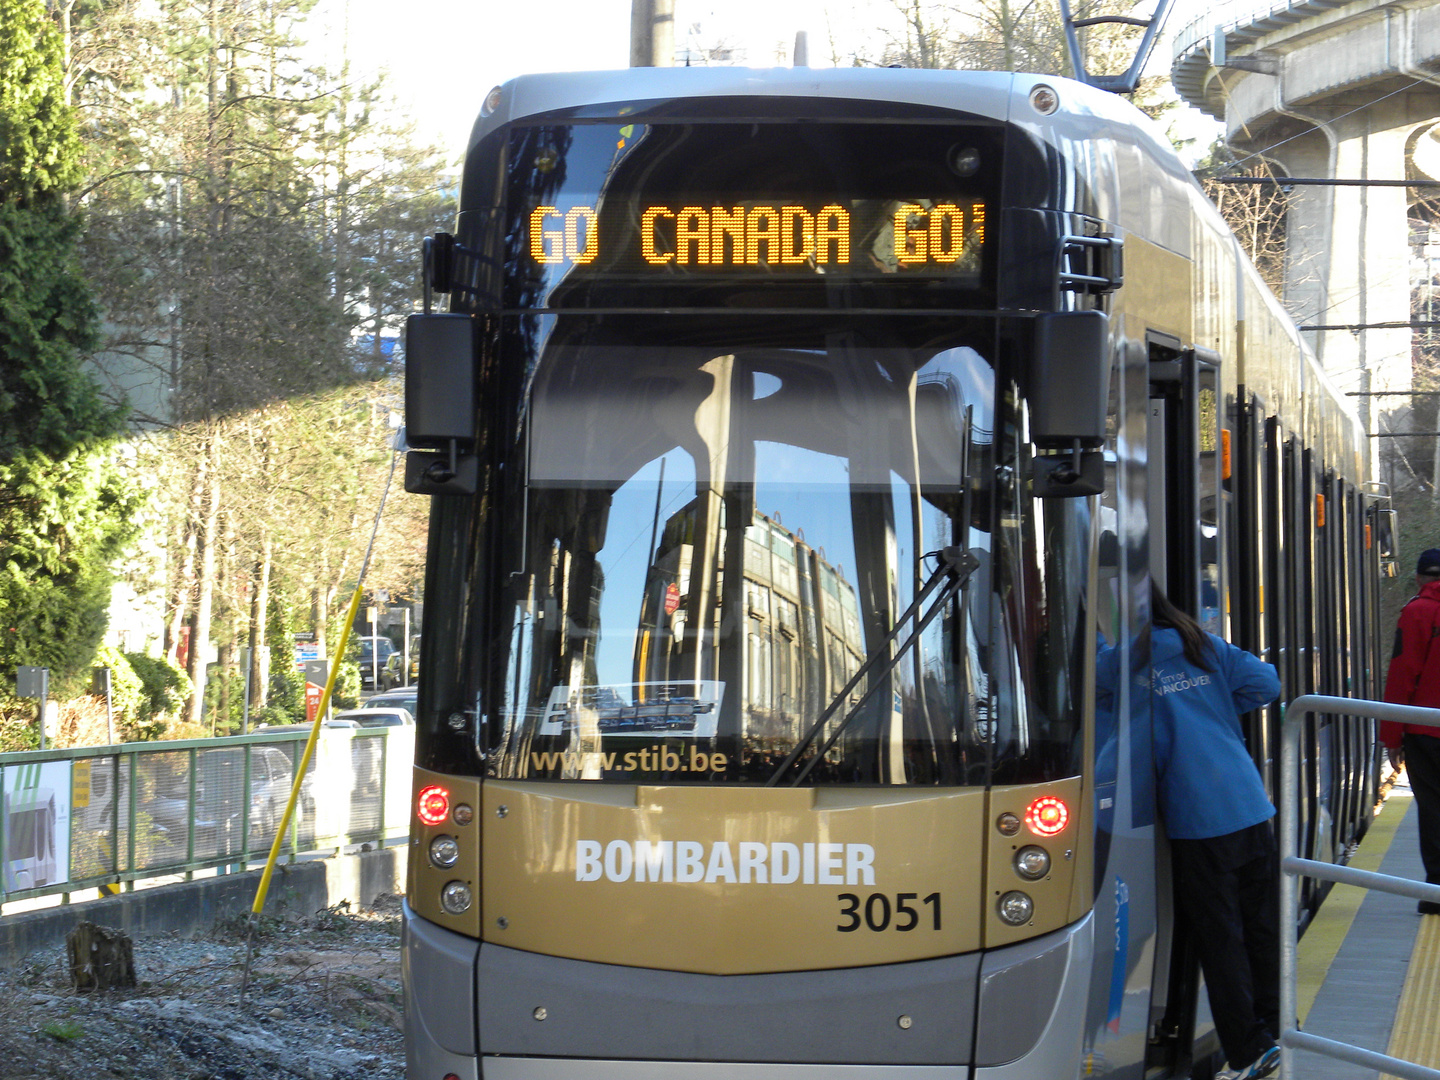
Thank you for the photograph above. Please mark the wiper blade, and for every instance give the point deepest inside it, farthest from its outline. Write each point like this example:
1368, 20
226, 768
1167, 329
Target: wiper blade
956, 566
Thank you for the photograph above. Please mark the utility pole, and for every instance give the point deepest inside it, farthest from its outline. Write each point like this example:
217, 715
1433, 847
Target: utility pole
652, 33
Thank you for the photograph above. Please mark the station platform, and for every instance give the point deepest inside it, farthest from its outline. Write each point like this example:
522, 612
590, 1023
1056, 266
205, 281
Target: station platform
1369, 966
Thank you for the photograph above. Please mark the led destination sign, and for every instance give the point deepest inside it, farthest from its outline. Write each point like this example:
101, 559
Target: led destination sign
877, 236
716, 213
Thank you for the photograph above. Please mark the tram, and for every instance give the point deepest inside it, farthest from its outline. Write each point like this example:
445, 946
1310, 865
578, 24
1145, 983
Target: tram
796, 439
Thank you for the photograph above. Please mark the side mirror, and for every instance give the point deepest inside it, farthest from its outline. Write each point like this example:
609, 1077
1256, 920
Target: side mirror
1386, 528
1068, 394
440, 404
1069, 379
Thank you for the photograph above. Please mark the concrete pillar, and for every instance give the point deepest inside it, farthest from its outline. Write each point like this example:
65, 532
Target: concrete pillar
1348, 257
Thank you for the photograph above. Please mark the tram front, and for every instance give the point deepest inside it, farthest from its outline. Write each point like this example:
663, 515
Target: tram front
758, 661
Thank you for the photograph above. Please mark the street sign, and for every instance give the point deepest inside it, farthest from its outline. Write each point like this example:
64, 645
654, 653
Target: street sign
316, 673
32, 682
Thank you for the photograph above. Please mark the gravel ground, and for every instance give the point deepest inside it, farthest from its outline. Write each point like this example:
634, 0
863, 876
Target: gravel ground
323, 1003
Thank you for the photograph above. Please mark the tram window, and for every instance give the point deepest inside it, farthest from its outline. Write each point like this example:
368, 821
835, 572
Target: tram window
1212, 613
717, 539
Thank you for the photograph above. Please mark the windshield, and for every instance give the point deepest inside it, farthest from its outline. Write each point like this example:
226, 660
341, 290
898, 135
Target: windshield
712, 539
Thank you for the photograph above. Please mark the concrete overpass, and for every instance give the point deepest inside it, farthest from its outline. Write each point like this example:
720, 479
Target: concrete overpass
1333, 89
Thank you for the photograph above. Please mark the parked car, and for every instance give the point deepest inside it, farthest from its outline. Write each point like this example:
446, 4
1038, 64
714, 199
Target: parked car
220, 792
374, 652
403, 697
373, 718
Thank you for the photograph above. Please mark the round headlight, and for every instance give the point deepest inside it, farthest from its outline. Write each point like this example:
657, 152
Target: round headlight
463, 813
1031, 862
1015, 908
1008, 824
444, 851
455, 898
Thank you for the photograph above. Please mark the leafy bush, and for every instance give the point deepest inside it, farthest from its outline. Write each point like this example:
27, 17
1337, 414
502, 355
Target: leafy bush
287, 694
18, 729
127, 692
164, 689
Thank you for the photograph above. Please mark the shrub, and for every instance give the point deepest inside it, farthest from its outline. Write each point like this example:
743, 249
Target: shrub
164, 691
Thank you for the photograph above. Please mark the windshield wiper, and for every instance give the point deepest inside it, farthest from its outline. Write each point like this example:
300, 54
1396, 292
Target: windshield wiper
956, 566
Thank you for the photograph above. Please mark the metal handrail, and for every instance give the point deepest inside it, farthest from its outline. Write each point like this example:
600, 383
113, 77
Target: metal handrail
106, 850
1292, 868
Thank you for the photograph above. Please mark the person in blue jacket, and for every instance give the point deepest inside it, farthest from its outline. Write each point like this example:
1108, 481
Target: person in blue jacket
1217, 816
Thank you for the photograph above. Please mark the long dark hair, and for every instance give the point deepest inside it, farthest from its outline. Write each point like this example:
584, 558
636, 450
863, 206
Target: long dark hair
1165, 613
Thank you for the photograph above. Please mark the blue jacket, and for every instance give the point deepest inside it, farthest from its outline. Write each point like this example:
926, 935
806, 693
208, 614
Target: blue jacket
1208, 783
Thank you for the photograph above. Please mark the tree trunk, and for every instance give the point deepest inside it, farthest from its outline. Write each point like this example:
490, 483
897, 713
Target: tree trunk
259, 624
182, 581
205, 598
101, 957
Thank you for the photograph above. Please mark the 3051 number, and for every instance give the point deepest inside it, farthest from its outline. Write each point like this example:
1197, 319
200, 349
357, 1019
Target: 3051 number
875, 913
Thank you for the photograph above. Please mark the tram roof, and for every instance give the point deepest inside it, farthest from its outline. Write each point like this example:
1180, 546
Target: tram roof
998, 95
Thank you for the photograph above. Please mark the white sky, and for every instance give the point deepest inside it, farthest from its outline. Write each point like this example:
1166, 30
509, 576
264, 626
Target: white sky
443, 57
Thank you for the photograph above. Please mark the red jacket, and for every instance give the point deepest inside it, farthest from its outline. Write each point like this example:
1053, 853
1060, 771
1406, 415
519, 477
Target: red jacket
1414, 675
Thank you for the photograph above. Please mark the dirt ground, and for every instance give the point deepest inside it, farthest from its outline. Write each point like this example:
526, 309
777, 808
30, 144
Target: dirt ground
323, 1003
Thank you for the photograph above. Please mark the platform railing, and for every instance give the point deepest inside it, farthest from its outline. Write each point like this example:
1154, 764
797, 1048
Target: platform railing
110, 817
1292, 868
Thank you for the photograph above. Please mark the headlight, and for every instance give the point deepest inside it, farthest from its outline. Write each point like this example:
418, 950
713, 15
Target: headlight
445, 851
1015, 908
1031, 863
455, 898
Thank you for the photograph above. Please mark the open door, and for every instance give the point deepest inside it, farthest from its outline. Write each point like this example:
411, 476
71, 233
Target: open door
1186, 500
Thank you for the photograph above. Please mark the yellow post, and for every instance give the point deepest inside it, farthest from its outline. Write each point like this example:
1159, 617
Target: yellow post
285, 818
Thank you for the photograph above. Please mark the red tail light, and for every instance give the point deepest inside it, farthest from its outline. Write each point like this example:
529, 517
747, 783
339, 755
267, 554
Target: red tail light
433, 805
1047, 816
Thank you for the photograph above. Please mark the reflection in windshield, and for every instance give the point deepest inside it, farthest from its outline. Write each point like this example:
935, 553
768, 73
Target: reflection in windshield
715, 540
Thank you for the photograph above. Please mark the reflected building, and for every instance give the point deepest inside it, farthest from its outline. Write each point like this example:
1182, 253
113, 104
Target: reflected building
799, 622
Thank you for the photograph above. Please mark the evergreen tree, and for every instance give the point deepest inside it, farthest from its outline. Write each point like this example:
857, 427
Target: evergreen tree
255, 232
65, 506
47, 320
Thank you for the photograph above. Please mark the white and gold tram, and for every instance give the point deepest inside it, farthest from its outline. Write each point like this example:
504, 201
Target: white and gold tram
796, 440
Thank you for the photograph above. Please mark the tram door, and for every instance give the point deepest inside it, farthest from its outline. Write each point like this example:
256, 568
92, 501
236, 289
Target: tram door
1185, 499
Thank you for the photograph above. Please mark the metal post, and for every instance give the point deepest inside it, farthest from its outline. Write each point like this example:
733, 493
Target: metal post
1292, 867
1289, 884
248, 661
652, 33
375, 652
134, 806
4, 831
102, 683
115, 819
245, 822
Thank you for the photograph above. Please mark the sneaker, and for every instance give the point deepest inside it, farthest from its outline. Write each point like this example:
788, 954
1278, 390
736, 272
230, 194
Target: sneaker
1267, 1064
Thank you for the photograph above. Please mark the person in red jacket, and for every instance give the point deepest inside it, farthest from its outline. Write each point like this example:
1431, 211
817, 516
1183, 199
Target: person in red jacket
1414, 679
